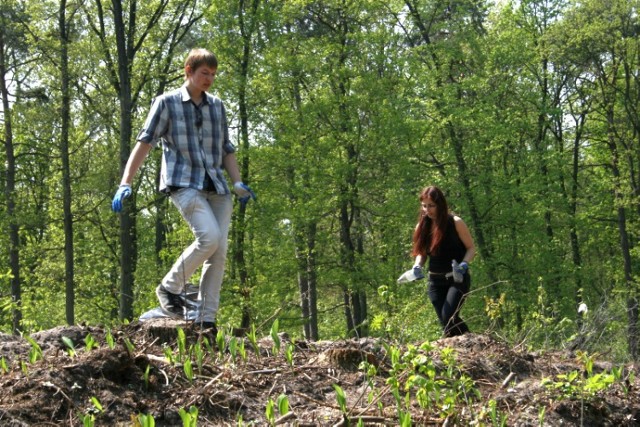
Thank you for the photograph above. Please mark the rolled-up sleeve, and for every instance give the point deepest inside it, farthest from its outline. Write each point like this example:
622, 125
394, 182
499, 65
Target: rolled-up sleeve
155, 125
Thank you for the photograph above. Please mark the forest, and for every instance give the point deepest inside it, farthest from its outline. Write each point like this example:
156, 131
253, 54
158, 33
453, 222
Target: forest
524, 112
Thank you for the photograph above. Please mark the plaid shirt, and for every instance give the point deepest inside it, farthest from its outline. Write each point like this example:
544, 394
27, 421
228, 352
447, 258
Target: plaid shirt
194, 139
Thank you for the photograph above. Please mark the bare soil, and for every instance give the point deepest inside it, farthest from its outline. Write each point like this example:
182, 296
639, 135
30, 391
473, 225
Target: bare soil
144, 374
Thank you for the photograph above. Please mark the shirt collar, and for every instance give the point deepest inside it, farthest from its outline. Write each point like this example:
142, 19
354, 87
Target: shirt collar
184, 94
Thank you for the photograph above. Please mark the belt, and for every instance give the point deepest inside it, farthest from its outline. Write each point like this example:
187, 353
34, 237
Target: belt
441, 275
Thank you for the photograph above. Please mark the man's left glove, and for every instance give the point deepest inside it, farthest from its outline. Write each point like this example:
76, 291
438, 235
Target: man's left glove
244, 192
123, 192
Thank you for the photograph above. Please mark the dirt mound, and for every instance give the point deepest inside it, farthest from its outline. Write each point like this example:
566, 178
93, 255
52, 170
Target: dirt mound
167, 372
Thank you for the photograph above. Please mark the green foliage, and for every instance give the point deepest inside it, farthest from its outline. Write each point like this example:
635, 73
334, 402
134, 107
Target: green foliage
344, 118
583, 385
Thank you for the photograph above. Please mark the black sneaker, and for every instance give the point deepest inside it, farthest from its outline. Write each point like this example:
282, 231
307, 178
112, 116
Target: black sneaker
170, 303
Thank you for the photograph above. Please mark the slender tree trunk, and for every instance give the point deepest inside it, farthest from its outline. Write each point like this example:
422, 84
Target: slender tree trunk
573, 211
312, 282
9, 192
632, 295
128, 243
246, 30
305, 255
66, 168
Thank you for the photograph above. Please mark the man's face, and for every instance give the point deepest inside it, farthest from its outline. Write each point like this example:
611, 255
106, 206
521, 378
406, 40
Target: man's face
202, 78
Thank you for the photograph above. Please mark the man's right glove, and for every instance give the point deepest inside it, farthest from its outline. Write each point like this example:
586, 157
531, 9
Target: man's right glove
123, 192
410, 275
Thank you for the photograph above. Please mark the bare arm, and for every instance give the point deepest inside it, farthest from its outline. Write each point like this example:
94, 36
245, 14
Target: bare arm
467, 240
231, 165
137, 157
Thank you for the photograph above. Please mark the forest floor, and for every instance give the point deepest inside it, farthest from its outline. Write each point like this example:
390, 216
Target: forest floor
150, 373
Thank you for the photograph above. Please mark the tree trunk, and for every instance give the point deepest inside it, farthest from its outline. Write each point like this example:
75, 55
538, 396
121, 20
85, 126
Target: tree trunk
66, 168
9, 190
240, 223
307, 281
129, 254
632, 296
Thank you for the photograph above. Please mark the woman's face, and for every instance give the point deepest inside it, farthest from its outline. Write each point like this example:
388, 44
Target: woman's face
429, 208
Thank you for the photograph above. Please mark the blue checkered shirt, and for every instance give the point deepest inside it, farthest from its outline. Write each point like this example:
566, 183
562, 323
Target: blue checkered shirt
189, 151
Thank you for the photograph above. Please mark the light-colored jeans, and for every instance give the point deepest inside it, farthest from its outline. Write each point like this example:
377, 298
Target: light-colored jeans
209, 217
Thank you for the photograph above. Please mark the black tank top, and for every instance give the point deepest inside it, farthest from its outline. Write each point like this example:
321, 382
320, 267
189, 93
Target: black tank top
450, 248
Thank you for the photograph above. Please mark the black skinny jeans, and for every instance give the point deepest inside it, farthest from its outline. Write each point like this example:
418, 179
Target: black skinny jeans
447, 298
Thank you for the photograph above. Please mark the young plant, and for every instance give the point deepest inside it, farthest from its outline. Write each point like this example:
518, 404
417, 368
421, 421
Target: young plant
275, 337
129, 345
3, 366
251, 335
35, 353
90, 343
189, 419
188, 369
71, 348
405, 419
146, 420
283, 404
168, 354
220, 342
111, 342
288, 353
270, 412
182, 345
88, 420
242, 351
541, 413
341, 398
146, 377
233, 348
199, 353
96, 404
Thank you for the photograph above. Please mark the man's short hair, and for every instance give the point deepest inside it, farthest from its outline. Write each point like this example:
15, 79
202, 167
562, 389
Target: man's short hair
198, 57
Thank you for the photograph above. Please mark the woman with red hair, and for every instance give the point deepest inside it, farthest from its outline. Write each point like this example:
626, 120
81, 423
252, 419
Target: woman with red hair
445, 240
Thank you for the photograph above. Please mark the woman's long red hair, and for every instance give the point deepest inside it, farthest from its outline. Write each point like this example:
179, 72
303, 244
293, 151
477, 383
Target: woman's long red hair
429, 233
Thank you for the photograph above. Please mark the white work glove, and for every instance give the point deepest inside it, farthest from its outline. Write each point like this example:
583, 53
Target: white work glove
414, 273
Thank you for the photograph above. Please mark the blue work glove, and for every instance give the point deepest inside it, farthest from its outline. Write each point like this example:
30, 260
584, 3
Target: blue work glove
244, 192
123, 192
459, 270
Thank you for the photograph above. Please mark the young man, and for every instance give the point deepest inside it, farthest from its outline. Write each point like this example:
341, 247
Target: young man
191, 126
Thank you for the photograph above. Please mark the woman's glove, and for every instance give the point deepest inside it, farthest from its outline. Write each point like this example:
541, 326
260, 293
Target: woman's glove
410, 275
459, 270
